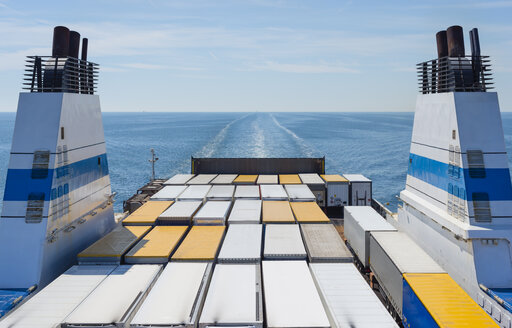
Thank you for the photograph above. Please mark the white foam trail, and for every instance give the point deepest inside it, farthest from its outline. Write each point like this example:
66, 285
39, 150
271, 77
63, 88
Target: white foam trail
259, 140
211, 147
306, 150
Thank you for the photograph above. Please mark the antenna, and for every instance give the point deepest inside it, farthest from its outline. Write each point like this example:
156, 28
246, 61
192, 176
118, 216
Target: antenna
152, 161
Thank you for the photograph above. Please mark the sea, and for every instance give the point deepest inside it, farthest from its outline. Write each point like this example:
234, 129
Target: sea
373, 144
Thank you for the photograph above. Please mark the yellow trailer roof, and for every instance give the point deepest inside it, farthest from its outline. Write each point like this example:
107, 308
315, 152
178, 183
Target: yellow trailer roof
333, 178
160, 242
201, 243
277, 212
116, 243
447, 302
246, 179
289, 179
308, 212
148, 213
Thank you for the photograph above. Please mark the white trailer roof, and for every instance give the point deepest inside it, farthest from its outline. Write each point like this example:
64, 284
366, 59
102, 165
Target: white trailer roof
267, 179
251, 192
273, 192
224, 179
221, 192
349, 300
299, 192
213, 210
367, 218
356, 178
291, 298
283, 241
180, 210
414, 260
172, 300
169, 192
246, 211
242, 244
201, 179
324, 244
234, 297
109, 302
196, 192
52, 304
311, 178
179, 179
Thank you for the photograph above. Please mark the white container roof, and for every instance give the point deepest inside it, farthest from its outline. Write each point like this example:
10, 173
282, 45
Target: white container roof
224, 179
283, 241
413, 260
349, 300
179, 179
291, 297
368, 219
196, 192
311, 178
113, 297
214, 209
49, 307
246, 211
267, 179
274, 192
356, 178
170, 192
299, 192
172, 299
252, 192
181, 210
201, 179
234, 297
221, 192
242, 243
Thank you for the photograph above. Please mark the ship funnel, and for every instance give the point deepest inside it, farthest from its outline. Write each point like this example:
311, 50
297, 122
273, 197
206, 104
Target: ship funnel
455, 38
85, 43
60, 41
74, 44
475, 42
442, 44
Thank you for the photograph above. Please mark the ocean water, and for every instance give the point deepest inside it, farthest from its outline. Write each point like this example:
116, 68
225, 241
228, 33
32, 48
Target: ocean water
373, 144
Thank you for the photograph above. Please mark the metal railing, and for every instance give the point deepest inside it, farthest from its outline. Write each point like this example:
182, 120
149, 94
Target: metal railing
63, 74
455, 74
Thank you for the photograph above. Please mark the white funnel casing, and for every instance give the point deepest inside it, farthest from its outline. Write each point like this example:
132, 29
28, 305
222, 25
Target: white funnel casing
457, 203
57, 197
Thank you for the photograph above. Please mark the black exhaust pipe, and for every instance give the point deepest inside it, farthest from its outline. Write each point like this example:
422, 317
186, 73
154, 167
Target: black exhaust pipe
455, 38
74, 44
85, 43
60, 41
442, 44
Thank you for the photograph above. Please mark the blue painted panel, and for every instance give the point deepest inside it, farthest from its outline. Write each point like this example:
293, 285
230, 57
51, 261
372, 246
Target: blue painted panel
505, 294
19, 182
414, 313
446, 177
7, 298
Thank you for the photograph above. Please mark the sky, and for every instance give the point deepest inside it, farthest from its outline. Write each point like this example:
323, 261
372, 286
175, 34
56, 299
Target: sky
253, 55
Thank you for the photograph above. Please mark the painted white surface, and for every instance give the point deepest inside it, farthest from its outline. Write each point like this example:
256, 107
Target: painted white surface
49, 307
267, 179
242, 243
283, 241
356, 178
249, 192
180, 210
350, 302
273, 192
311, 178
201, 179
113, 297
179, 179
195, 192
246, 211
169, 192
224, 179
173, 297
300, 193
213, 210
359, 222
291, 298
233, 296
221, 192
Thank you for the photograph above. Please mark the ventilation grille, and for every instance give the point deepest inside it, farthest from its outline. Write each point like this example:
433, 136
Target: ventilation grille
35, 206
476, 164
481, 207
40, 164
